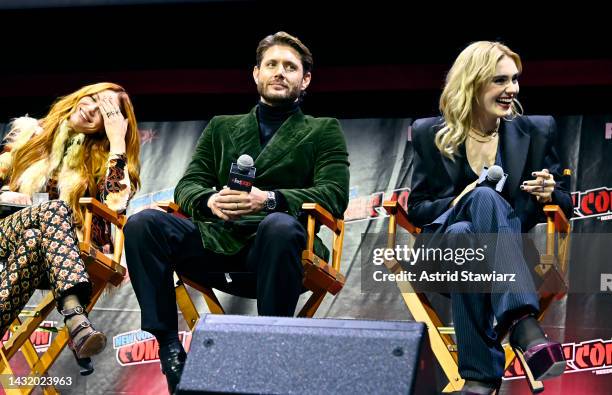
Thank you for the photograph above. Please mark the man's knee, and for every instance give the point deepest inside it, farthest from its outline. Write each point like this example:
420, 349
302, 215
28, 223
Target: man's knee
281, 226
143, 222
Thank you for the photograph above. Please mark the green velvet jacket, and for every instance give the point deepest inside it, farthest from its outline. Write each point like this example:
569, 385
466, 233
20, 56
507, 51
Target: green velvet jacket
306, 160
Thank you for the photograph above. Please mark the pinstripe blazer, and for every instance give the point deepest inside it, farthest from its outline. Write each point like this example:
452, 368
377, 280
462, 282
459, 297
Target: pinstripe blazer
526, 145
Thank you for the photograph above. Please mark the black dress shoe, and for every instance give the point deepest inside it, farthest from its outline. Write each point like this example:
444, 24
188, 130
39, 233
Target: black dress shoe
172, 358
472, 387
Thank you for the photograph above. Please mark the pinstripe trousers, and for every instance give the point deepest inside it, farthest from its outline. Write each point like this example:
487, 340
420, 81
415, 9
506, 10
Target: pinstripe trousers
481, 356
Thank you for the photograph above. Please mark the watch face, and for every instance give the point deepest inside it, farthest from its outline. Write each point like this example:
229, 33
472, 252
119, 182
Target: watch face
270, 201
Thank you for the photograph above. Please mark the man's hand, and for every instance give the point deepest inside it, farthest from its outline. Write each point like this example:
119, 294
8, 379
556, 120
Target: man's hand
542, 187
228, 204
15, 198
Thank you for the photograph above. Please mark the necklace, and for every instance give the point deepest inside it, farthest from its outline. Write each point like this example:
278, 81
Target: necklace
484, 137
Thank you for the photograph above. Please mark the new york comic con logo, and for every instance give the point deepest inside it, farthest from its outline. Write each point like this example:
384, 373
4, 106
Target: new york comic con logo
593, 203
589, 355
40, 338
140, 347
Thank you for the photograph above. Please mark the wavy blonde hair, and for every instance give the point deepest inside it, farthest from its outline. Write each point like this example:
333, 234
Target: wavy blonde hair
471, 71
96, 147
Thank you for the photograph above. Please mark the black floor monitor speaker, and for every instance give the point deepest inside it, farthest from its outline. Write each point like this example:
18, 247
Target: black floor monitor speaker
271, 355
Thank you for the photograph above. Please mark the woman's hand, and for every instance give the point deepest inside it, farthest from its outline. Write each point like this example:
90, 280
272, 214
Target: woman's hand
542, 187
15, 198
115, 125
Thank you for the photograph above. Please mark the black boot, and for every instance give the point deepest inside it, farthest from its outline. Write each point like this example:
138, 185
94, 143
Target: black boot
172, 358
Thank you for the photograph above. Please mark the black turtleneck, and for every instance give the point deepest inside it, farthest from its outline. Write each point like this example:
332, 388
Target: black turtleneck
272, 117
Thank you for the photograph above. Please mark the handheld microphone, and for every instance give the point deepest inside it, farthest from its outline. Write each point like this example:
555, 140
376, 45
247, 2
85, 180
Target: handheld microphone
242, 174
492, 177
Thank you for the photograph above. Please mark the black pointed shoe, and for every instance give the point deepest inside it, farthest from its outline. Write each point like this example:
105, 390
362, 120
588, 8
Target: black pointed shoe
172, 359
472, 387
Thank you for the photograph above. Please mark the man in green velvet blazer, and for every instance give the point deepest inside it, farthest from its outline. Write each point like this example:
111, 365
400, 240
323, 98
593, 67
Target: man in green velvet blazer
304, 161
297, 158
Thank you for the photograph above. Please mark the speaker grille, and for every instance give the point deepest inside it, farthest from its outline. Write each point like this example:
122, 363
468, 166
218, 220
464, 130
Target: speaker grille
236, 354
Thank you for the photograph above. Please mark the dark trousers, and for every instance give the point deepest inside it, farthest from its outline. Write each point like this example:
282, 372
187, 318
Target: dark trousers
157, 244
481, 356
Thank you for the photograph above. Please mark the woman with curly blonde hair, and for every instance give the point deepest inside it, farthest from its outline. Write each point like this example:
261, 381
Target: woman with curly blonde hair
481, 126
87, 145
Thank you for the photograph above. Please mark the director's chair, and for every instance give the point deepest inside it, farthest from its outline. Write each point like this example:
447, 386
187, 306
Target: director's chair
552, 268
320, 277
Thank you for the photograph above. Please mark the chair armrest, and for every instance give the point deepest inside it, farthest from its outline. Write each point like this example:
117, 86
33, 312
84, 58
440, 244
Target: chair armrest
110, 268
100, 209
172, 208
556, 216
168, 206
323, 216
394, 208
319, 274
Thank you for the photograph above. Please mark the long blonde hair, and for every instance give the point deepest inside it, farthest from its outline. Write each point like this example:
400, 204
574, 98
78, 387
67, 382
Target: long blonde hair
95, 147
471, 71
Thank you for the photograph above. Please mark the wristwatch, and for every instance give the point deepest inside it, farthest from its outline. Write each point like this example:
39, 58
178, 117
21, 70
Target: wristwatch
270, 202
